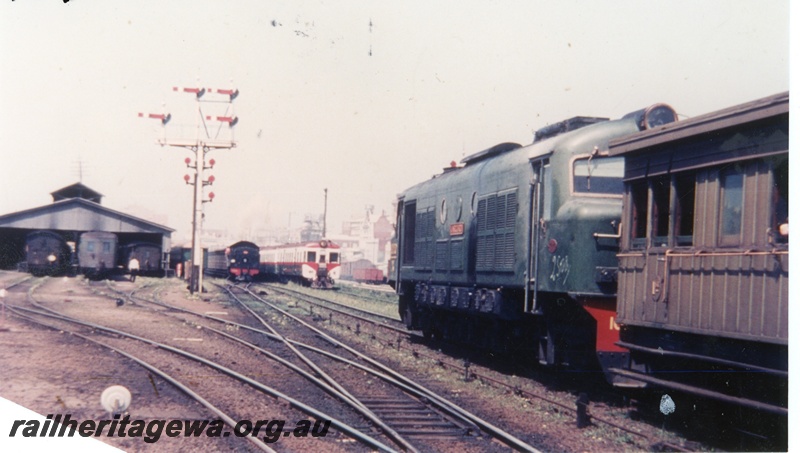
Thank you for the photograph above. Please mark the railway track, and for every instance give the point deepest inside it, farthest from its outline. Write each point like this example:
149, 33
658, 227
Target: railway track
429, 406
422, 419
381, 321
121, 342
30, 316
390, 322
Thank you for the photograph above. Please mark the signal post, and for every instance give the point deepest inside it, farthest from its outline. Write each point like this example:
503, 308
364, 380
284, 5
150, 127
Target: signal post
200, 147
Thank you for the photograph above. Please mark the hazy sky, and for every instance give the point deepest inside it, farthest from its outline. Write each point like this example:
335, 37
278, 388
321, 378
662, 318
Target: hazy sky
364, 98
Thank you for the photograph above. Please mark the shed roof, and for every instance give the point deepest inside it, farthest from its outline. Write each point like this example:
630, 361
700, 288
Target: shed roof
79, 214
77, 190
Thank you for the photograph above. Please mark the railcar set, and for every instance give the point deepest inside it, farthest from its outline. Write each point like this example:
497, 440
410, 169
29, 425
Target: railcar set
651, 249
316, 264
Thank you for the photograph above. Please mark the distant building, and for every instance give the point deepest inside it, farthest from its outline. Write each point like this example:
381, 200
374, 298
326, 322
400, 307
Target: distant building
365, 239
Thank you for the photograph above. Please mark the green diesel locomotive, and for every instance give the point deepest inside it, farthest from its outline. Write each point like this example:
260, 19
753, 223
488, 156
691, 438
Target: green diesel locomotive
515, 249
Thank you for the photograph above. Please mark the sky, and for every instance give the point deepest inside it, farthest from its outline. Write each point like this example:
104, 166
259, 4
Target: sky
362, 98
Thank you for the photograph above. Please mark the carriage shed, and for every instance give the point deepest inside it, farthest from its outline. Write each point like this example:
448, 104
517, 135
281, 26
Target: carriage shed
75, 209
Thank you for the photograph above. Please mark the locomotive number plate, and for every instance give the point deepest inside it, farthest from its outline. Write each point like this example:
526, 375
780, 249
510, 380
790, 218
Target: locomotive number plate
457, 229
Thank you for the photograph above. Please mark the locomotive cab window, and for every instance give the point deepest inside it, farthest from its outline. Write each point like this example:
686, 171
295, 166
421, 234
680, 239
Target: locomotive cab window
598, 175
312, 257
322, 258
334, 258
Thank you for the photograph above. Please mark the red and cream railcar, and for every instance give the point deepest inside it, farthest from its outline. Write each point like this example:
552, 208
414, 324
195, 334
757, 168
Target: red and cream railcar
315, 264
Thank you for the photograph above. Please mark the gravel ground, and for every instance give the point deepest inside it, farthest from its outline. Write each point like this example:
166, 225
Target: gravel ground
52, 372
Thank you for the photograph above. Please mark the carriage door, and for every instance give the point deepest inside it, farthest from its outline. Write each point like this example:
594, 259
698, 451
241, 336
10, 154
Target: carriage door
658, 243
540, 205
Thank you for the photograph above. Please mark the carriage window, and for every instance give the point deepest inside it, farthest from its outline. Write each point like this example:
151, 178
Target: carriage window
601, 175
661, 188
638, 213
322, 258
334, 257
312, 257
90, 246
684, 208
731, 184
106, 247
780, 191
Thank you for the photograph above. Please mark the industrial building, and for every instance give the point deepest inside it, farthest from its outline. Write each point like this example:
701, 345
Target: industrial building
75, 209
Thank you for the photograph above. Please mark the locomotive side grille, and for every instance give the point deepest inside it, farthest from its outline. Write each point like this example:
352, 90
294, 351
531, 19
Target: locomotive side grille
506, 255
457, 255
491, 212
441, 255
496, 224
482, 260
423, 240
486, 247
511, 210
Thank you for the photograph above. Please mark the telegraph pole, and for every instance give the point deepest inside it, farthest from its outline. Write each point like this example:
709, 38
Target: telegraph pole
200, 147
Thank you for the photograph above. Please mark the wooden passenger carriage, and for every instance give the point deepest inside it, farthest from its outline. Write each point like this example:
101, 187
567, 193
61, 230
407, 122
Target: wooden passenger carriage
704, 265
